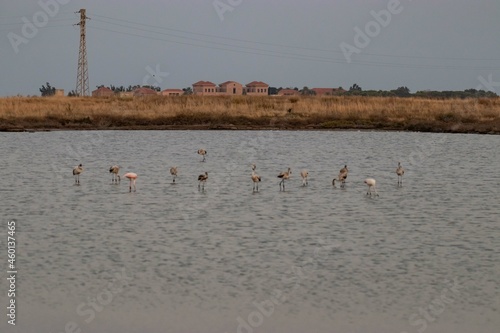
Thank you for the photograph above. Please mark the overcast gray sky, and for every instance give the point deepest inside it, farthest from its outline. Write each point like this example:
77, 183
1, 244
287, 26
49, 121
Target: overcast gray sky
378, 44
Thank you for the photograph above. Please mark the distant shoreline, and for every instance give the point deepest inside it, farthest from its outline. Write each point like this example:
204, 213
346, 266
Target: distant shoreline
472, 115
231, 127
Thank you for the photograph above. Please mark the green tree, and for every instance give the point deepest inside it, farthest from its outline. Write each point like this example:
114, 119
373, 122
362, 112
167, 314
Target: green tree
355, 88
307, 92
48, 90
273, 90
402, 92
188, 91
156, 88
116, 88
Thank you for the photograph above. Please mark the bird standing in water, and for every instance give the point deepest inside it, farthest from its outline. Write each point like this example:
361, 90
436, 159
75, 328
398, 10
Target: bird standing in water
114, 170
76, 172
255, 178
400, 172
371, 186
202, 179
132, 177
203, 153
173, 172
284, 176
304, 174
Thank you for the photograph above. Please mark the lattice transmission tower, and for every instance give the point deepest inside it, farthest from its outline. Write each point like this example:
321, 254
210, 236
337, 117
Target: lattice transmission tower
82, 79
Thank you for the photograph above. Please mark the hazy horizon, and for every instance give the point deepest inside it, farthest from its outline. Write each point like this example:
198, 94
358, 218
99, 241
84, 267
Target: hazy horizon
445, 45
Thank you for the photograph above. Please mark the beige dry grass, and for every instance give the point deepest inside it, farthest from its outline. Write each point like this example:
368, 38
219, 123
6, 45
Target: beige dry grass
456, 115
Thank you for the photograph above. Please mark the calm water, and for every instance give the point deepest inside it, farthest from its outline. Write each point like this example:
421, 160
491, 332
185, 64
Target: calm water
423, 257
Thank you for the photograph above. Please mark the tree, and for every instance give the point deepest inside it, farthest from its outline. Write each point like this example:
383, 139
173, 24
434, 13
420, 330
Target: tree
117, 89
48, 90
132, 88
273, 90
307, 92
402, 92
156, 88
188, 91
73, 93
355, 87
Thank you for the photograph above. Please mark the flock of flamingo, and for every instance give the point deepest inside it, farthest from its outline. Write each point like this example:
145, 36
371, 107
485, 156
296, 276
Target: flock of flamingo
285, 175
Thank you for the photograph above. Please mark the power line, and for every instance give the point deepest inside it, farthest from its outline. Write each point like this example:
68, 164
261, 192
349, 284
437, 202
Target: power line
47, 26
50, 21
290, 46
230, 46
303, 57
20, 17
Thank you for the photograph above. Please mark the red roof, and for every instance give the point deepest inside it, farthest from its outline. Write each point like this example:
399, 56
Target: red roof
228, 82
103, 89
257, 84
145, 91
204, 83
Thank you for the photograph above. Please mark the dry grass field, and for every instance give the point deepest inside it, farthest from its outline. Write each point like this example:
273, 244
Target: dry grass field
473, 115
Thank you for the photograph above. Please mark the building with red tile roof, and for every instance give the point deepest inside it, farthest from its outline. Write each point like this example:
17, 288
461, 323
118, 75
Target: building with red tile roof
142, 92
230, 88
257, 88
102, 92
204, 88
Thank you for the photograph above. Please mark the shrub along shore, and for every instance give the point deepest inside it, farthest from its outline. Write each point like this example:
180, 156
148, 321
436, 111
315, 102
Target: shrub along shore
470, 115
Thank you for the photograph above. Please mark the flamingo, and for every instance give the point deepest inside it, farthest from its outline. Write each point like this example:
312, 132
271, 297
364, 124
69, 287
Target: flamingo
284, 175
203, 153
202, 179
173, 172
341, 178
76, 172
400, 172
255, 178
114, 170
371, 185
304, 174
132, 177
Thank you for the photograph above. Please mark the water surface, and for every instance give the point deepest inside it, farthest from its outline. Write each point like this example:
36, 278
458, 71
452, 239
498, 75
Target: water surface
423, 256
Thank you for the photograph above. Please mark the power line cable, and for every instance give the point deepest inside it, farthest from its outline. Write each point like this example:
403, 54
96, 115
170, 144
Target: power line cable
294, 47
300, 56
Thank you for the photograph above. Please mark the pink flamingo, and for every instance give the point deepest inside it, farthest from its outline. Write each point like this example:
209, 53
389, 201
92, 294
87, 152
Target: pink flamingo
371, 186
132, 177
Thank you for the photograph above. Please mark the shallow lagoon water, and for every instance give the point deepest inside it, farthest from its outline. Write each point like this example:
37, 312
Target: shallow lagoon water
171, 258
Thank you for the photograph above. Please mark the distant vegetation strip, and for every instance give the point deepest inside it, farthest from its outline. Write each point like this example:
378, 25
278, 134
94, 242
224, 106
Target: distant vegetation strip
470, 115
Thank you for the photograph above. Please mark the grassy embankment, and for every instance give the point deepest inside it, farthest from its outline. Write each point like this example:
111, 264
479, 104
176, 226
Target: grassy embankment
245, 112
